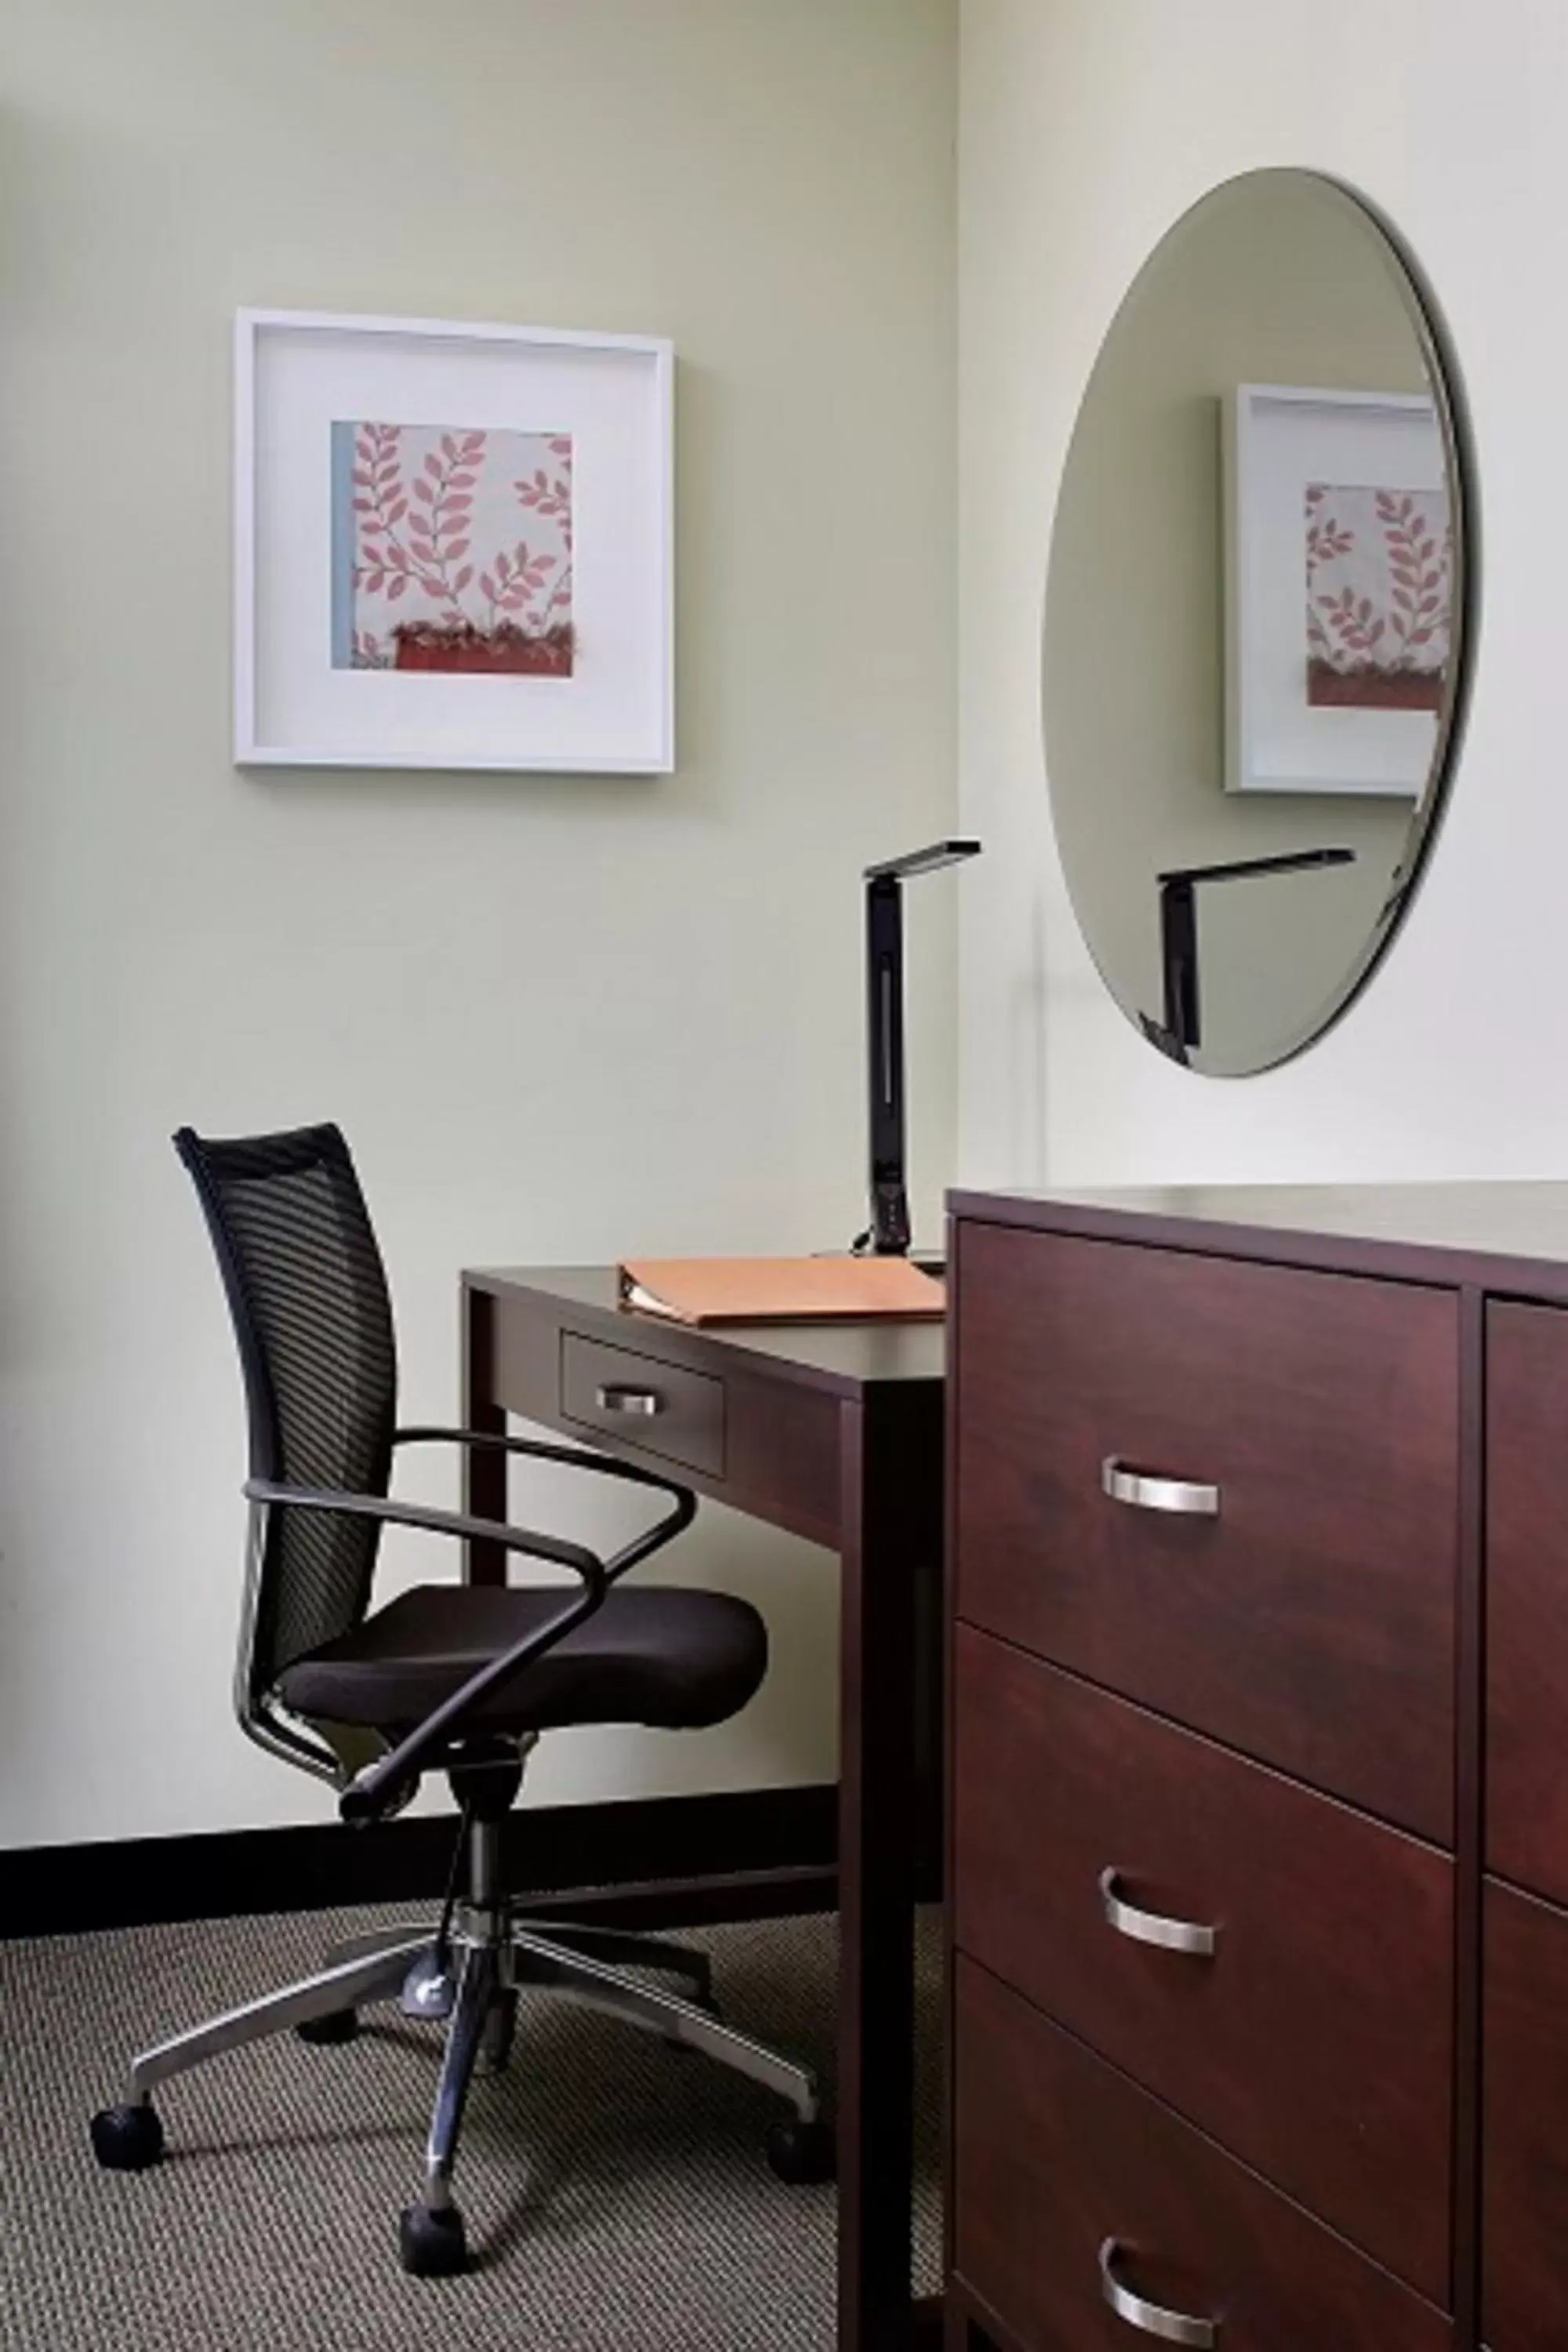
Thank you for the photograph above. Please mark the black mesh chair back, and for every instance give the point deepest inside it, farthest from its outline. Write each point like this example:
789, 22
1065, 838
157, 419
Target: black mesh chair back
311, 1314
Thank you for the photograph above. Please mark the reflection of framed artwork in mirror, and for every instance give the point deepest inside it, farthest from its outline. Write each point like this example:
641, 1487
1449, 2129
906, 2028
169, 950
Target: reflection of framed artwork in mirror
1339, 588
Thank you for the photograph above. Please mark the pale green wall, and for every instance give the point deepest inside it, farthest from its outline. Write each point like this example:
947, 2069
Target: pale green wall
560, 1020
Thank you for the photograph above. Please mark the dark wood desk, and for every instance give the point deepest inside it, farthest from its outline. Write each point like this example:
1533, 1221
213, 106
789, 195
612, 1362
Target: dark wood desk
835, 1433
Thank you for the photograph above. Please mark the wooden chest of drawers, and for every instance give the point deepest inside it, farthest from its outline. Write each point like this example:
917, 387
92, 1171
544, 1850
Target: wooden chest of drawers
1258, 1579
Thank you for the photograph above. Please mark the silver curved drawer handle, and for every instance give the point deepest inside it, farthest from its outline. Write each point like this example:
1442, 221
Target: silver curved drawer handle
1150, 1927
1148, 2318
1146, 1494
645, 1402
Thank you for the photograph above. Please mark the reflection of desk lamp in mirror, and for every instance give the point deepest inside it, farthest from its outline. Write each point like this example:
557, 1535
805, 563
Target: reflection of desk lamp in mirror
1181, 1028
889, 1232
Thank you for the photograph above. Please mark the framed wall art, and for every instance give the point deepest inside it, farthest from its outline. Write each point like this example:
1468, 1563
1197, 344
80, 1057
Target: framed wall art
453, 546
1339, 590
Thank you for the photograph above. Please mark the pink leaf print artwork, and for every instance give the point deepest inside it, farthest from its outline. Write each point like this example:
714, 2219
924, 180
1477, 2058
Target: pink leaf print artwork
1378, 579
428, 522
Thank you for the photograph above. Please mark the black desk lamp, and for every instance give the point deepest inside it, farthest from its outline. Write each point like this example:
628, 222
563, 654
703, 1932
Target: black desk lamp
1181, 1028
887, 1235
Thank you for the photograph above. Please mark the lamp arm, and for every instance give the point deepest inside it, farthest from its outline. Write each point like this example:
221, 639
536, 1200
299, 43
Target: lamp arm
889, 1232
888, 1235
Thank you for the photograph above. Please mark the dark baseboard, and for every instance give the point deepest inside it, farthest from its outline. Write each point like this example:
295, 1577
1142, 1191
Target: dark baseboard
748, 1854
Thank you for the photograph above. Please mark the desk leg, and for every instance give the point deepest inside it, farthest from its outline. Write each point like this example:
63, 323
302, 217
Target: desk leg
484, 1467
891, 1515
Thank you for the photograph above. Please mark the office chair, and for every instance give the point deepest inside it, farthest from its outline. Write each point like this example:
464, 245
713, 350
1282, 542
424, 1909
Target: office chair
457, 1678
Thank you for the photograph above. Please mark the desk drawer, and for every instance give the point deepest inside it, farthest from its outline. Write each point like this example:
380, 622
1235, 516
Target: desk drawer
1315, 2038
643, 1402
1304, 1611
1524, 2161
1057, 2154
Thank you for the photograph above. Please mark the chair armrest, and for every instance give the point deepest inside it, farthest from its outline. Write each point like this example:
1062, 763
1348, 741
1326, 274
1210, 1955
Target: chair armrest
571, 1457
583, 1563
372, 1792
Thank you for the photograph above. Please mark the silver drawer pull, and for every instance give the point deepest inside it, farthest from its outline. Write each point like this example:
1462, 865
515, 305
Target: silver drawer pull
1146, 1494
643, 1402
1148, 2318
1149, 1927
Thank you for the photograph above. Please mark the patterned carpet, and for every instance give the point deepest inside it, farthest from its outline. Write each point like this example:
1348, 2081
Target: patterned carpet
615, 2193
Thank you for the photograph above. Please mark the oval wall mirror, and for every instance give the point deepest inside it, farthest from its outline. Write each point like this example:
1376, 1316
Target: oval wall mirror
1257, 621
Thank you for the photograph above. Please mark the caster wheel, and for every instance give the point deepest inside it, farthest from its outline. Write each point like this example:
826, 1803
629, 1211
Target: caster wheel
431, 2240
323, 2032
129, 2138
802, 2153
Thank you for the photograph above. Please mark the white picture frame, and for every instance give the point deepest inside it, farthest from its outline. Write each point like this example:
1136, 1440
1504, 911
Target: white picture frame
569, 665
1279, 440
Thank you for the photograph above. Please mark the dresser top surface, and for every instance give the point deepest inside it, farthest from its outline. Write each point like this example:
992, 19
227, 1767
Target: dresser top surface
1503, 1234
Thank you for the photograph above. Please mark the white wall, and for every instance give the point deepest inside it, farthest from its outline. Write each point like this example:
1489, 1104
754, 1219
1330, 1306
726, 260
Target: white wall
559, 1020
1086, 127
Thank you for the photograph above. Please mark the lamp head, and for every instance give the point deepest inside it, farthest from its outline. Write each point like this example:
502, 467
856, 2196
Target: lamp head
922, 861
1291, 861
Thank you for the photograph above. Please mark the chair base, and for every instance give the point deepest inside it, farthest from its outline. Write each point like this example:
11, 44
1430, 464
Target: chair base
470, 1972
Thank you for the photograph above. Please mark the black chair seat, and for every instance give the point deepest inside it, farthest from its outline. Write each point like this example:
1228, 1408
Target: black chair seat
655, 1654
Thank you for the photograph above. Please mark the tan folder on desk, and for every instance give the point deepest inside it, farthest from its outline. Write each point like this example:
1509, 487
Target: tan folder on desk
778, 1290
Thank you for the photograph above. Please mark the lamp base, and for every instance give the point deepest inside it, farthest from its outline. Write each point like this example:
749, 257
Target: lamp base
929, 1261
